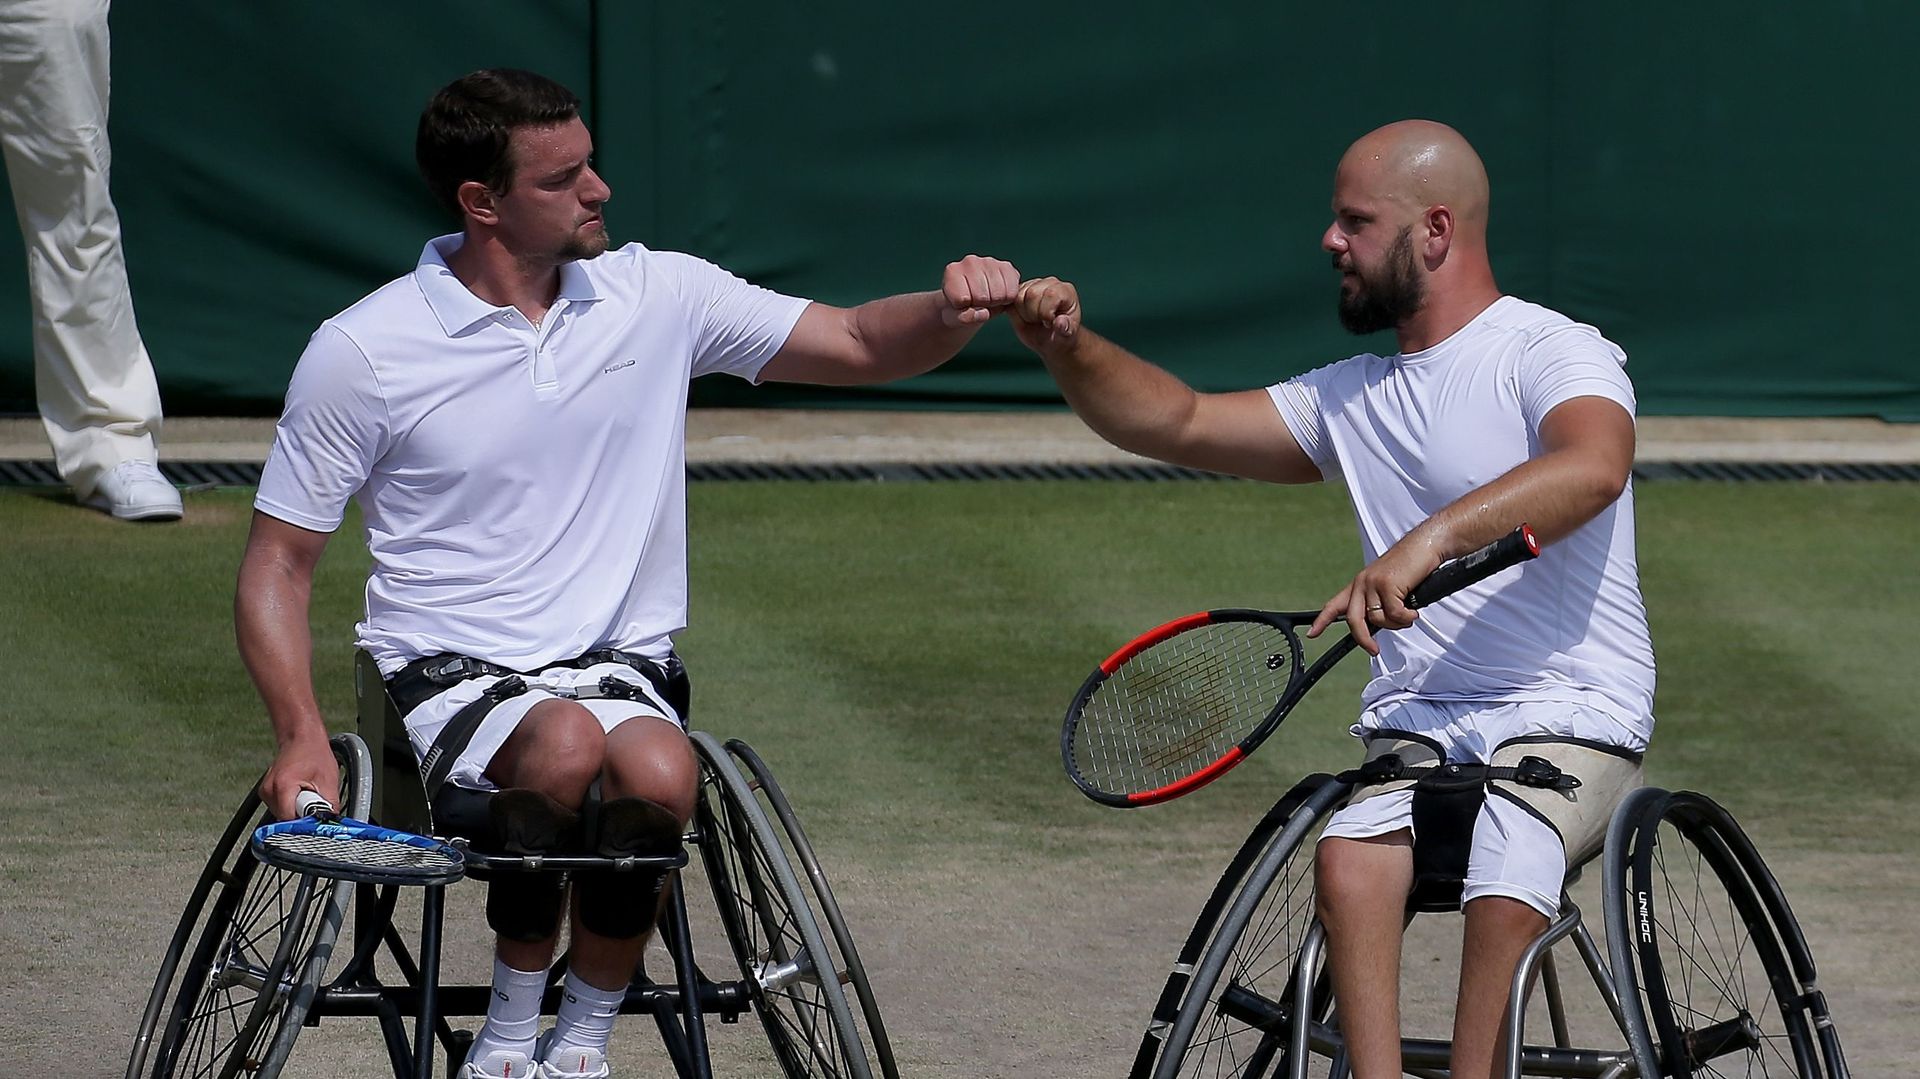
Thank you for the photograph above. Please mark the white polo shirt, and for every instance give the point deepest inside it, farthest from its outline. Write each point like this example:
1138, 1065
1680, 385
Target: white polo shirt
1410, 434
524, 488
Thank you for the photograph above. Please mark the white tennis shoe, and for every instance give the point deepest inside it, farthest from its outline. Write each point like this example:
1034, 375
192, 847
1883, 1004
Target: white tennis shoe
570, 1062
136, 491
499, 1064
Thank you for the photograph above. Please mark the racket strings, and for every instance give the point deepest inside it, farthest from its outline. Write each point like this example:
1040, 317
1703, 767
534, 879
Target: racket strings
1180, 705
324, 853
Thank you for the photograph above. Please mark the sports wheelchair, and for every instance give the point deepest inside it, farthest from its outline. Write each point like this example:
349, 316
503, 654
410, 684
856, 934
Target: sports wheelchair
248, 966
1706, 971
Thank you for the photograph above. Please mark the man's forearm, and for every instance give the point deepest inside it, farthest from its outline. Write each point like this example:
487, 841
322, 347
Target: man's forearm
906, 335
1554, 494
1129, 402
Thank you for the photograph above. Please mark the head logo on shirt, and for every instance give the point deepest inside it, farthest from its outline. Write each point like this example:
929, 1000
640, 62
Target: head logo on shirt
622, 365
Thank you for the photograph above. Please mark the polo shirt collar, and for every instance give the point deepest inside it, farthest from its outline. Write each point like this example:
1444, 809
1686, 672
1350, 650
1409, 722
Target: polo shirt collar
458, 309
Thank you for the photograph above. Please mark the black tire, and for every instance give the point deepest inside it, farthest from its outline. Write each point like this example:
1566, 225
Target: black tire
248, 954
789, 971
1233, 1013
1714, 974
846, 957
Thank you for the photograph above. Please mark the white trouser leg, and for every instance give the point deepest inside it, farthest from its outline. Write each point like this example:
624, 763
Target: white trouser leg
95, 382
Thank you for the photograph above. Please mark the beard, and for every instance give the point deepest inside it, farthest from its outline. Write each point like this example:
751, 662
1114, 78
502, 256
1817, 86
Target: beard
585, 245
1383, 304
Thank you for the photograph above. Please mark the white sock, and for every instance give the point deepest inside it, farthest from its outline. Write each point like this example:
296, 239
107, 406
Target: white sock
513, 1011
585, 1019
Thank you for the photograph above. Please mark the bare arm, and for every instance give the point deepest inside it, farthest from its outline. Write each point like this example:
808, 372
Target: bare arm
270, 606
1144, 409
1587, 456
897, 336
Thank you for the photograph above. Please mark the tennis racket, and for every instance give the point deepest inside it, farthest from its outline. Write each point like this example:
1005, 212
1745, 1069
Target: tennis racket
325, 844
1183, 703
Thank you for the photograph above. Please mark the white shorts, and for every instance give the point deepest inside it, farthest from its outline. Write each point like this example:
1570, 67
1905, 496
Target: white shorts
1514, 854
425, 722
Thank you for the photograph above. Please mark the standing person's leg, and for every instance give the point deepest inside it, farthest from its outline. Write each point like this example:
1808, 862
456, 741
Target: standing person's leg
97, 394
1360, 894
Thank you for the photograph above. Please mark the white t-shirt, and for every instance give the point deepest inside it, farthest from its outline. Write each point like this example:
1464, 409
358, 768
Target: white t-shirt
1412, 433
524, 487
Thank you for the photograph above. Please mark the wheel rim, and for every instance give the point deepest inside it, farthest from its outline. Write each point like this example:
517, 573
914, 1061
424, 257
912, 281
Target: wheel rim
764, 913
1238, 1017
237, 982
238, 999
799, 853
1711, 974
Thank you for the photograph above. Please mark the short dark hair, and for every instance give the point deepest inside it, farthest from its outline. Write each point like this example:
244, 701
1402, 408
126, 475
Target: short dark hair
465, 130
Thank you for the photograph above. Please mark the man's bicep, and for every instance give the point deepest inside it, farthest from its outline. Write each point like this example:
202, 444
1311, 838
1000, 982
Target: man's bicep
1243, 434
821, 349
1595, 426
284, 545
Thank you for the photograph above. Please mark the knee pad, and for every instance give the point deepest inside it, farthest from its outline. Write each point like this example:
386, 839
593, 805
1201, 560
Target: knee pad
525, 906
523, 821
622, 904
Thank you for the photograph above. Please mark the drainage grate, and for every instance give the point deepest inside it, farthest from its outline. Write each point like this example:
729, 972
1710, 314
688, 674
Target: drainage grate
206, 474
920, 472
1749, 471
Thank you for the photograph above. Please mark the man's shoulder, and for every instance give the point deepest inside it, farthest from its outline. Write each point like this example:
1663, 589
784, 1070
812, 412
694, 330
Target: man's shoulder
396, 304
1541, 325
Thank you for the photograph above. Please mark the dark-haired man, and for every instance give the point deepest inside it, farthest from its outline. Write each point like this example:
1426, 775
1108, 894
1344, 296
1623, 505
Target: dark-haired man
511, 418
1494, 412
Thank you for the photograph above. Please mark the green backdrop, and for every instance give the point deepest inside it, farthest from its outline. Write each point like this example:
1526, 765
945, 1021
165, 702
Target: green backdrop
1713, 185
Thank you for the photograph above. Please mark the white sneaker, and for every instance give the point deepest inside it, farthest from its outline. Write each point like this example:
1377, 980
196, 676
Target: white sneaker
571, 1062
136, 491
499, 1064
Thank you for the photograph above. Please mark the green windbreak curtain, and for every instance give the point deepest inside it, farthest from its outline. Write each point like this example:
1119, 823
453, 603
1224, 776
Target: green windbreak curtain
1716, 187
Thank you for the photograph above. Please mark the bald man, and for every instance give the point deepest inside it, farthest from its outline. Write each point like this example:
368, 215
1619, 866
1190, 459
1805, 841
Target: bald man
1494, 412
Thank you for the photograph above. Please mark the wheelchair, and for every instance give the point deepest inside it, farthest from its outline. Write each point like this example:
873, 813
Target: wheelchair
248, 966
1706, 972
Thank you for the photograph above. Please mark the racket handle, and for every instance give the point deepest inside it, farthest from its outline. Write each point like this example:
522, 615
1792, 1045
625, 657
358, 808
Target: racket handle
312, 804
1509, 550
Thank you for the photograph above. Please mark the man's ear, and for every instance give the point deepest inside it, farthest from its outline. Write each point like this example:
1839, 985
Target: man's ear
477, 201
1438, 235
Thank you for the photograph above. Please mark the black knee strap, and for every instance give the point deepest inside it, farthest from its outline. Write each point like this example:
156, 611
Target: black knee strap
1446, 803
622, 903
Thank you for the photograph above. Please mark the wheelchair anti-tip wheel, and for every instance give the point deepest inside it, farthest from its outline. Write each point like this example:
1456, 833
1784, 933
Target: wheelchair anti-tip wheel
791, 978
248, 954
1715, 976
1229, 1007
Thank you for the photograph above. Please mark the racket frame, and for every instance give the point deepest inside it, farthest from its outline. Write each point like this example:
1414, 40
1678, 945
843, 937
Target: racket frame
1515, 548
345, 830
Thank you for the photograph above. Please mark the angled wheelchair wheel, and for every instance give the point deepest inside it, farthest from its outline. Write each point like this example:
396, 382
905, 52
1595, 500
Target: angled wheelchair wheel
846, 958
1714, 975
248, 953
789, 971
1232, 1004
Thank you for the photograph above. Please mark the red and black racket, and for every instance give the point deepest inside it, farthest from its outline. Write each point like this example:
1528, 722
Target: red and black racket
1181, 704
